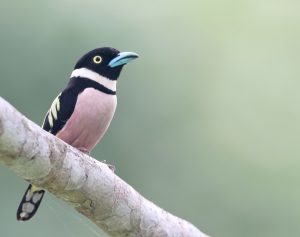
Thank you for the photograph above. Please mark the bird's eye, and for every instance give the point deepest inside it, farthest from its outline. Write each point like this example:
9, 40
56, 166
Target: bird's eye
97, 59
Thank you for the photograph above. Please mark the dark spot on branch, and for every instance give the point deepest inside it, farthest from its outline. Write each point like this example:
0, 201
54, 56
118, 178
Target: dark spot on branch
22, 147
51, 153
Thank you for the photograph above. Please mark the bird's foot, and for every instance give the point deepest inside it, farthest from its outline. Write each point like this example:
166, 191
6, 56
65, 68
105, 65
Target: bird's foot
111, 167
84, 150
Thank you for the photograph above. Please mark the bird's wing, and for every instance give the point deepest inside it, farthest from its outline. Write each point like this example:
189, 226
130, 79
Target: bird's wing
60, 111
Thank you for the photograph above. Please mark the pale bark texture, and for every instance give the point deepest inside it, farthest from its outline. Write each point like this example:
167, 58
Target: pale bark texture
81, 181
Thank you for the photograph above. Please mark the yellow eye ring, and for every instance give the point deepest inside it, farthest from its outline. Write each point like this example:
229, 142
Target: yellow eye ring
97, 59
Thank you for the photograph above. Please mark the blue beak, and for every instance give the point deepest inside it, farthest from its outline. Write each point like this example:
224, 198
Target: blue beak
122, 58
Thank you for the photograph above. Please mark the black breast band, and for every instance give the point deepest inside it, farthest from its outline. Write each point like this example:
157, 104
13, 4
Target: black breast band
83, 83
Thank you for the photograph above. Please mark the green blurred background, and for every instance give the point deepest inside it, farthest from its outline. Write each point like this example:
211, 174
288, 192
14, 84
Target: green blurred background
207, 124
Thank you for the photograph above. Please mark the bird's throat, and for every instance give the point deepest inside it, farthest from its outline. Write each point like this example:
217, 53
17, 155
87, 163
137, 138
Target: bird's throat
89, 74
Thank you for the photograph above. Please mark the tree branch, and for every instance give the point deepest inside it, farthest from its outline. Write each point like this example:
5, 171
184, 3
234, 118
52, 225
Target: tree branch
83, 182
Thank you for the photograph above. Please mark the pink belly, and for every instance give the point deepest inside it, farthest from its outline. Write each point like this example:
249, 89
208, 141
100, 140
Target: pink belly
92, 115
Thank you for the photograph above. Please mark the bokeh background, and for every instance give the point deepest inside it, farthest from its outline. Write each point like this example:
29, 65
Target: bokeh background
207, 124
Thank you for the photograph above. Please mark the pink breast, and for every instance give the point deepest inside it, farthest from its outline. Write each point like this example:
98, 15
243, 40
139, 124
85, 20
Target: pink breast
92, 115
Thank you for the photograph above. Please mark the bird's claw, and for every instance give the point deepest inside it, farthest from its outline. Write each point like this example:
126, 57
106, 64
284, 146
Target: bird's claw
84, 150
111, 167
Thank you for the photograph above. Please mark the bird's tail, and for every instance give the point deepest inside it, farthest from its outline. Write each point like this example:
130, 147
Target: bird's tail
30, 203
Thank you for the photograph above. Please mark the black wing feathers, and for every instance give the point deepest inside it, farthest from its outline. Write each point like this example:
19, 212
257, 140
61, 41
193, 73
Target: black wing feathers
64, 104
60, 111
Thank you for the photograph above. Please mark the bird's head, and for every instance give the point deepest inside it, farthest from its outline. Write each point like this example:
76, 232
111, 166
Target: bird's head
107, 62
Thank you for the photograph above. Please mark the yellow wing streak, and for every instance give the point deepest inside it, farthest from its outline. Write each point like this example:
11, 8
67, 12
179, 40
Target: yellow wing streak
50, 119
58, 104
55, 107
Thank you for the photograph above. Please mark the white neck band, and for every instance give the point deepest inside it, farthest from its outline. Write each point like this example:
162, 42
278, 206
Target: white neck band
87, 73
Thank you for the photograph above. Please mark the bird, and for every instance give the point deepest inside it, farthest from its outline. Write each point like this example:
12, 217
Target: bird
81, 114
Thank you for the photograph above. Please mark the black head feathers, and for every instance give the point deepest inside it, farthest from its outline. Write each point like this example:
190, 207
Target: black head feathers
106, 61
